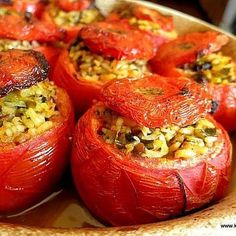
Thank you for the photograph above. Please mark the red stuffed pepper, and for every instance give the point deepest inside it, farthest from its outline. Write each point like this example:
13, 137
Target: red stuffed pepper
35, 131
104, 51
34, 7
198, 56
161, 27
71, 16
150, 153
23, 31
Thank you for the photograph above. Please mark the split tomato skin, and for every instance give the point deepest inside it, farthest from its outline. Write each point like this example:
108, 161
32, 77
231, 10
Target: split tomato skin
82, 93
185, 49
32, 170
78, 5
122, 190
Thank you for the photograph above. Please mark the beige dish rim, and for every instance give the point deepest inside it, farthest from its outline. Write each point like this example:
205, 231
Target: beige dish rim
205, 222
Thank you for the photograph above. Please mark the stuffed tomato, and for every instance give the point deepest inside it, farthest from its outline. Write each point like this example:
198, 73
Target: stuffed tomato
198, 56
23, 31
103, 52
71, 16
161, 27
34, 7
35, 130
146, 154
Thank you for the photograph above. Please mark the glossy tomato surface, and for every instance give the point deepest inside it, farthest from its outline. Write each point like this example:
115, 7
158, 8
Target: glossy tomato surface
125, 190
31, 170
82, 92
118, 40
154, 101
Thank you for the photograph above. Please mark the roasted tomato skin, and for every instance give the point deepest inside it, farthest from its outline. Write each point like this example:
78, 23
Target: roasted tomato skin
73, 6
31, 170
118, 40
185, 49
155, 101
122, 191
82, 93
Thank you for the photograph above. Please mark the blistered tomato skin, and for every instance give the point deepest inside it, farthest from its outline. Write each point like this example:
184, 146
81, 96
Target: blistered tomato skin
31, 170
123, 190
185, 49
82, 93
154, 101
118, 40
78, 5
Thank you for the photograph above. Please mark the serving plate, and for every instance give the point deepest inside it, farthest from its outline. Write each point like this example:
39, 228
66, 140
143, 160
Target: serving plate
64, 214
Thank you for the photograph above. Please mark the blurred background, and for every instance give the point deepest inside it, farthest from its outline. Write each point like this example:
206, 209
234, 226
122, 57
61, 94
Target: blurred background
221, 13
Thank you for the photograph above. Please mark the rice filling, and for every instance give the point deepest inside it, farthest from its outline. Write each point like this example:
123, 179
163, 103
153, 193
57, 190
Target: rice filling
28, 112
94, 67
169, 141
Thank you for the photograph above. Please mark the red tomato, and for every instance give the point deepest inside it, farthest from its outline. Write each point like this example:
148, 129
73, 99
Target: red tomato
22, 28
185, 49
124, 190
35, 7
76, 5
82, 92
118, 40
155, 101
31, 170
21, 69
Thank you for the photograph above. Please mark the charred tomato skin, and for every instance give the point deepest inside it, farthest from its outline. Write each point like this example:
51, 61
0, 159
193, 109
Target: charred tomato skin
82, 93
118, 40
122, 190
32, 170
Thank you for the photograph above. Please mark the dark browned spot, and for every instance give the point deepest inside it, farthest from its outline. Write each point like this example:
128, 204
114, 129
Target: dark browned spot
214, 106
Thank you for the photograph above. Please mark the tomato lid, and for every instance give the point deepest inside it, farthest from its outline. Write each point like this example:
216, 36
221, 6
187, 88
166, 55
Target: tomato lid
118, 40
27, 27
154, 101
21, 69
185, 49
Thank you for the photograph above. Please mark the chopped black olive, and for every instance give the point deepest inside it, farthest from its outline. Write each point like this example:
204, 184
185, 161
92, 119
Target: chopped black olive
129, 137
200, 78
204, 66
43, 99
185, 92
214, 106
28, 17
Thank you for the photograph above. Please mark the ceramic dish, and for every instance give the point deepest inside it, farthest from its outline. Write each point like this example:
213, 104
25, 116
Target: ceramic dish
63, 214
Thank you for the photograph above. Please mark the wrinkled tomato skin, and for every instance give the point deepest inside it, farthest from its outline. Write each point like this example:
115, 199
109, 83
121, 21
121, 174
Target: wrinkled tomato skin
73, 6
82, 93
31, 170
225, 96
121, 191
